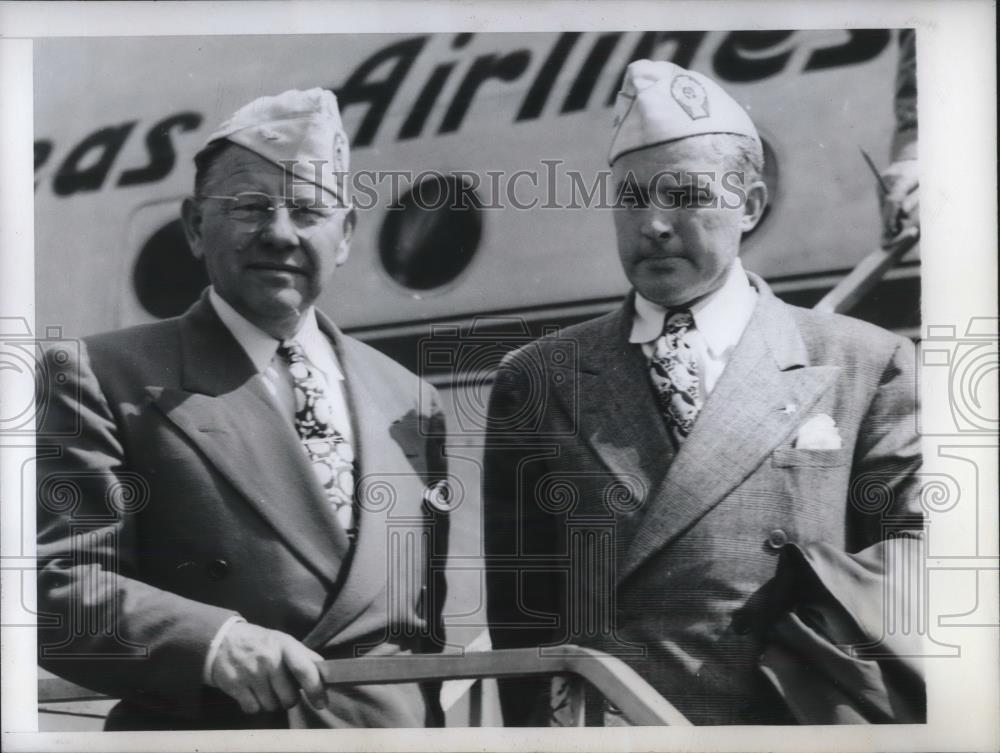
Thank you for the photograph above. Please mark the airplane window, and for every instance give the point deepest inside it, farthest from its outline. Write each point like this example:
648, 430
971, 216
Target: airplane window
167, 279
431, 234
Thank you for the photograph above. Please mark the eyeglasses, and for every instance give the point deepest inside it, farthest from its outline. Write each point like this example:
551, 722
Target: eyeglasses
255, 209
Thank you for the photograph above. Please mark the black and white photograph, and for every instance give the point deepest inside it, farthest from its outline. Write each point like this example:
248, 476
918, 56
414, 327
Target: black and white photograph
438, 376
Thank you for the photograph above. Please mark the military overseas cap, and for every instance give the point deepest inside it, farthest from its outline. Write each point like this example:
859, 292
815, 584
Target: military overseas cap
298, 127
660, 101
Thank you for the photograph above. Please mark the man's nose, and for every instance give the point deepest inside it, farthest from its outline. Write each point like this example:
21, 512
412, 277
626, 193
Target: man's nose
279, 230
659, 228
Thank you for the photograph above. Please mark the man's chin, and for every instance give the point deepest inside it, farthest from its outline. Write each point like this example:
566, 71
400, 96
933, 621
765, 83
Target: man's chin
290, 300
278, 293
679, 292
668, 296
281, 308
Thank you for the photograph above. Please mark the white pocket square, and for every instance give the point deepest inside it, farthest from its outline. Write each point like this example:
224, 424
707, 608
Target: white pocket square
818, 433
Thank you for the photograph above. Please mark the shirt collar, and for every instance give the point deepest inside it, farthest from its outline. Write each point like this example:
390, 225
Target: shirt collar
317, 346
260, 347
720, 317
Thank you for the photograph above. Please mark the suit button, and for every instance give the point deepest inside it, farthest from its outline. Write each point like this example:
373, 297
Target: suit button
777, 539
218, 569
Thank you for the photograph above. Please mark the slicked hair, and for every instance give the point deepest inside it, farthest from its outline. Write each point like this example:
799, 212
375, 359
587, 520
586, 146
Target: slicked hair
741, 154
203, 162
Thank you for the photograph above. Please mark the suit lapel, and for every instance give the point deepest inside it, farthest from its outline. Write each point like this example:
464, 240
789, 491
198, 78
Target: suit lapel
763, 394
388, 487
225, 410
618, 417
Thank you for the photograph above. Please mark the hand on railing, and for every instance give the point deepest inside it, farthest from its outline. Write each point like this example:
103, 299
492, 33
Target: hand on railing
263, 670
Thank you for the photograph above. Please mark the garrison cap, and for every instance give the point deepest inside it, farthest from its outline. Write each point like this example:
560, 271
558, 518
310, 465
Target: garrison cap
302, 127
660, 101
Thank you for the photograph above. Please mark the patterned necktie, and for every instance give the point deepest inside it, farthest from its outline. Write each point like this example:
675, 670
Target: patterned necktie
675, 375
331, 455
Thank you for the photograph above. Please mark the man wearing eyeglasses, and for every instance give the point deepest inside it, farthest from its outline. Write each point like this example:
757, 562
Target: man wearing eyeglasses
230, 470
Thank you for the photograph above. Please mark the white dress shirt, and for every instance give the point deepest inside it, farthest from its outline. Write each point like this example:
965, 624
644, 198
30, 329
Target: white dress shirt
262, 350
719, 322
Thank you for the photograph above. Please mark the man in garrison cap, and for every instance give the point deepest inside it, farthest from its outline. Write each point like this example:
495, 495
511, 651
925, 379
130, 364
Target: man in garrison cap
218, 508
643, 497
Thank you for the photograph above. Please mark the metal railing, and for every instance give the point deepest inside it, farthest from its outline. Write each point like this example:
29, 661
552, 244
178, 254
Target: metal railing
621, 685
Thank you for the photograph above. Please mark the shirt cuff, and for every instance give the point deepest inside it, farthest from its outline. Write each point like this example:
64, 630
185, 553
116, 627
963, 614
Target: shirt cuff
213, 647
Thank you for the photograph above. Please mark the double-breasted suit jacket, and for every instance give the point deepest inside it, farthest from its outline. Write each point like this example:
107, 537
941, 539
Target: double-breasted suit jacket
600, 532
173, 494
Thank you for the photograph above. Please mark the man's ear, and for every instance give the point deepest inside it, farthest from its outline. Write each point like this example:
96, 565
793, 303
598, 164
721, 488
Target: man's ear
754, 205
344, 249
191, 218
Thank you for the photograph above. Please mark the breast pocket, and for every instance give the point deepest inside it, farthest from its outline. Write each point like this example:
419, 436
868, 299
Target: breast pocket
791, 457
